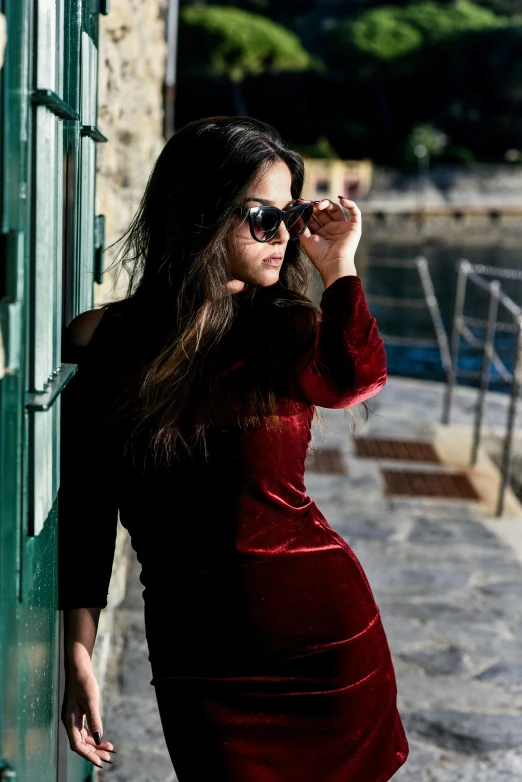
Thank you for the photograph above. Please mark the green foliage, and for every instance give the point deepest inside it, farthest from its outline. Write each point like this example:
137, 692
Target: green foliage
396, 74
224, 40
459, 154
383, 33
426, 135
321, 149
438, 22
389, 32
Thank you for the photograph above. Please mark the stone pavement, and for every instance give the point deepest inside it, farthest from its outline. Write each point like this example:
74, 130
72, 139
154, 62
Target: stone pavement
450, 594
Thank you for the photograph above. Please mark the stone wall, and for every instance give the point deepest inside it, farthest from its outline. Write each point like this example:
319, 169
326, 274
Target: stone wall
130, 114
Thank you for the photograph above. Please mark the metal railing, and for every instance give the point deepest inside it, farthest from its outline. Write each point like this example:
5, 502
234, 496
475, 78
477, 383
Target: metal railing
476, 274
428, 300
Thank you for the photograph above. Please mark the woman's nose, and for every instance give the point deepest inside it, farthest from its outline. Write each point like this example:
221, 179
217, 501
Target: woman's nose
281, 234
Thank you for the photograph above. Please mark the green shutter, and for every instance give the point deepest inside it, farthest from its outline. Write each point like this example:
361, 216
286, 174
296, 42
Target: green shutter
48, 138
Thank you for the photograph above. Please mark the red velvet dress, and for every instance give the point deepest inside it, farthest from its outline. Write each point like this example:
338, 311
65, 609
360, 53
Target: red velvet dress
268, 654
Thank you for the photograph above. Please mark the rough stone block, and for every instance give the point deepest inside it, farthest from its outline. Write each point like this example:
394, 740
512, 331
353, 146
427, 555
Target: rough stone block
133, 723
470, 733
501, 767
442, 661
506, 674
139, 767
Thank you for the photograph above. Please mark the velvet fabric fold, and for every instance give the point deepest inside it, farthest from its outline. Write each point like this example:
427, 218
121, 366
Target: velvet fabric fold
269, 659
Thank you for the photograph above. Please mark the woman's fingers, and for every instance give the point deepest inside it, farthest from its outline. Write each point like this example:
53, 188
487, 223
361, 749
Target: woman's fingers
355, 212
86, 740
326, 211
315, 223
333, 210
306, 233
103, 750
321, 212
91, 704
84, 745
94, 722
319, 218
107, 746
78, 741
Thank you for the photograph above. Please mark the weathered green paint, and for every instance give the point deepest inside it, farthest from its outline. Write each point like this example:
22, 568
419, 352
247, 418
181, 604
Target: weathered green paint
48, 92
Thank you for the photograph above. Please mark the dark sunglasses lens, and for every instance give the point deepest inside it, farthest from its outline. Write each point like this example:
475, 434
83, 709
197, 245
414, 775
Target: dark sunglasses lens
298, 218
265, 222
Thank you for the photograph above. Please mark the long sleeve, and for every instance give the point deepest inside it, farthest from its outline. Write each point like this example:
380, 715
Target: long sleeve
346, 363
87, 504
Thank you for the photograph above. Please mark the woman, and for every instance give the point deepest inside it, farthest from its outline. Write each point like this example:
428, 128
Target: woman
190, 413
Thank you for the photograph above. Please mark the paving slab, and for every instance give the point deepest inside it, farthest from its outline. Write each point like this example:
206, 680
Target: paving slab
140, 767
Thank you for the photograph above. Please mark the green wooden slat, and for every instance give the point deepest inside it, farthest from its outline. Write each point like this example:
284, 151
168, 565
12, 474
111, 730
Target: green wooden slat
40, 78
93, 132
14, 147
55, 104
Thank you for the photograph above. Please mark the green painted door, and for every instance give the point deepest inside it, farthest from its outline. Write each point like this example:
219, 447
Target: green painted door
48, 99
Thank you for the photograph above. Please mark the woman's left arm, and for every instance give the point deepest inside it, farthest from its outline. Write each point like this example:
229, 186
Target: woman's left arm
347, 362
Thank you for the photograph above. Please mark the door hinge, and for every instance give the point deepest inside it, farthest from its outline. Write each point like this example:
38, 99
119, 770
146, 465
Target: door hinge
105, 7
7, 772
99, 246
10, 336
41, 401
11, 292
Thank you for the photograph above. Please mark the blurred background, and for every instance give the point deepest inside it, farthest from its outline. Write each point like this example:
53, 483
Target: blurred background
362, 79
412, 109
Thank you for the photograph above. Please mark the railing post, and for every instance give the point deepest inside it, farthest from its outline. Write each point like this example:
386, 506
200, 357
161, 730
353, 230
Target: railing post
464, 267
436, 318
489, 341
510, 425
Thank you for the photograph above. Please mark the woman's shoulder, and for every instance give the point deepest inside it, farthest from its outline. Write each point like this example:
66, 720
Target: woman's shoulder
81, 329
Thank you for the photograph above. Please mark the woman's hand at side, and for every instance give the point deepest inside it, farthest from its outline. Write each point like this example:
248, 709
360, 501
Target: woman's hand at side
81, 704
330, 241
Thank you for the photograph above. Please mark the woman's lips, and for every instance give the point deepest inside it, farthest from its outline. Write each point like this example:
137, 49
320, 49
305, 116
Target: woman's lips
274, 260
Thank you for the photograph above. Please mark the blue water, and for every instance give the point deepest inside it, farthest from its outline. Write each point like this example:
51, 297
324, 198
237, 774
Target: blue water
424, 362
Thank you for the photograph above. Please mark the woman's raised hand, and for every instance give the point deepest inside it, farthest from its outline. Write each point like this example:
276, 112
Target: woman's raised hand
330, 241
82, 702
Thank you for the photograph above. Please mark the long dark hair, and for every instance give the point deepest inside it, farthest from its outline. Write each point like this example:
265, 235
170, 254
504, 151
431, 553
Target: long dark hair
176, 254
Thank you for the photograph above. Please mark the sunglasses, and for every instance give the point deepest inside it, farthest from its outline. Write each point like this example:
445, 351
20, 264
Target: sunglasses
264, 221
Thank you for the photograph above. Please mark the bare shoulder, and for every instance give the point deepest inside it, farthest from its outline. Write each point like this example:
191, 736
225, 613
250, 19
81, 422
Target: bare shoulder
80, 330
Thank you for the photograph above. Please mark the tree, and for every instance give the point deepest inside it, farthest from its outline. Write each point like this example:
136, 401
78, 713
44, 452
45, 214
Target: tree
383, 33
223, 40
390, 32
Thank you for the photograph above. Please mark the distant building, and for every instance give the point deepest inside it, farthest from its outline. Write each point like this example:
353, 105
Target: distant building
330, 177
